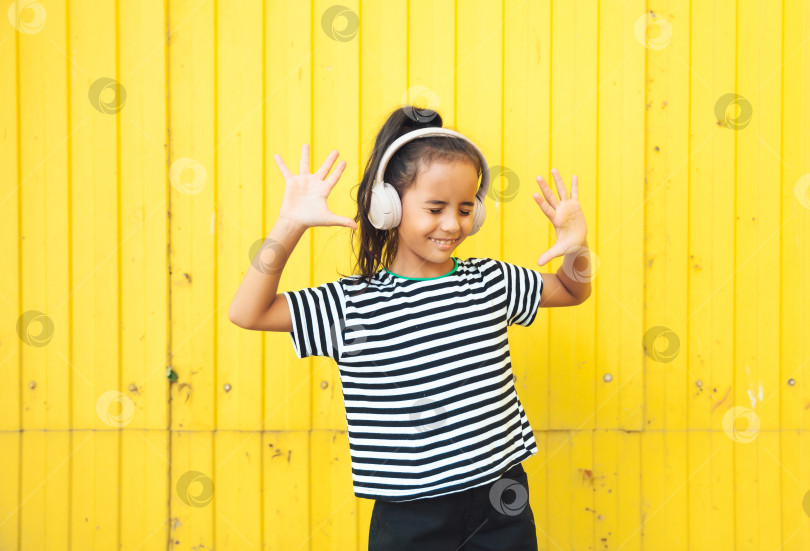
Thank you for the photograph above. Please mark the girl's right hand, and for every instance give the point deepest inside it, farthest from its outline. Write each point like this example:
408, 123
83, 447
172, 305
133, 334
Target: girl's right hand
305, 195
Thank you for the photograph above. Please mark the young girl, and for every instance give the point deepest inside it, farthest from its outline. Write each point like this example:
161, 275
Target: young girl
436, 430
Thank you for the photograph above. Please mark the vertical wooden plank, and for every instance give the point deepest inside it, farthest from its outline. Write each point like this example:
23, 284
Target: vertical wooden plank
628, 492
759, 224
96, 480
288, 381
144, 213
617, 249
285, 467
334, 522
10, 238
238, 203
664, 35
526, 144
756, 241
45, 481
428, 73
192, 173
573, 134
795, 481
11, 346
336, 74
794, 323
145, 489
795, 263
44, 246
288, 53
479, 93
395, 70
238, 151
711, 482
335, 95
10, 480
614, 480
145, 468
559, 517
41, 305
194, 497
665, 477
237, 484
603, 475
571, 497
98, 95
699, 530
710, 338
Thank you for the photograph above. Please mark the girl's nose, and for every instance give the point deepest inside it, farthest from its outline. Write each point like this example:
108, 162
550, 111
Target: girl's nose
450, 225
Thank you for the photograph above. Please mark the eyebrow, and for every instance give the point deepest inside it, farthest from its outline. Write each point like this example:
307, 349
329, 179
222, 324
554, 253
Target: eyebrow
437, 202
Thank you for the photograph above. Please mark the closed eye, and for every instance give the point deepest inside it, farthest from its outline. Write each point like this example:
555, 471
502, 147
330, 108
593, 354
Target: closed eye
437, 211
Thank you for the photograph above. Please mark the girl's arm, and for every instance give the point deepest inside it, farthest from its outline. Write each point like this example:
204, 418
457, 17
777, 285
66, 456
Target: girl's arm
561, 289
254, 305
571, 285
303, 206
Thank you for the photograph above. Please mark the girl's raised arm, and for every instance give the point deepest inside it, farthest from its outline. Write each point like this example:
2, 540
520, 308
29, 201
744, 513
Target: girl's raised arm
568, 287
303, 206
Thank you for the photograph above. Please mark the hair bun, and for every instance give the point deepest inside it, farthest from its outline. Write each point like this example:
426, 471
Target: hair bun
420, 118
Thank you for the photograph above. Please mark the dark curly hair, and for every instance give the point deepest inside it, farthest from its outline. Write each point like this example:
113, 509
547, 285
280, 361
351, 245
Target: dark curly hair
378, 248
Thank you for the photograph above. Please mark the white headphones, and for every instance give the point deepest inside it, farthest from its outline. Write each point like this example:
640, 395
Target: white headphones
385, 211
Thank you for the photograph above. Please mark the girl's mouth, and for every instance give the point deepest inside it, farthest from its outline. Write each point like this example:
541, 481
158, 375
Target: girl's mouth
444, 244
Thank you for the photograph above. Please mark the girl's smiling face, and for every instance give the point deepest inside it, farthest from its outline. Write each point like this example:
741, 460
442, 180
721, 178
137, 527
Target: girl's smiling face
439, 206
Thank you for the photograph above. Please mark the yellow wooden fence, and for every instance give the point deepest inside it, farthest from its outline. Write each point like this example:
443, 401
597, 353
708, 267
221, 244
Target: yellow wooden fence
136, 177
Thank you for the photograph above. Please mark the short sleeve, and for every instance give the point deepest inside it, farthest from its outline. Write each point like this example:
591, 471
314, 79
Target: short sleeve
523, 289
317, 320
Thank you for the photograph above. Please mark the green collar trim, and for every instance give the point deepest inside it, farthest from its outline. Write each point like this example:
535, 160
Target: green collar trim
455, 267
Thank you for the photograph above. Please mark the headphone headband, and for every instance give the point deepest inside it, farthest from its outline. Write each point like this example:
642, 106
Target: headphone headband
426, 132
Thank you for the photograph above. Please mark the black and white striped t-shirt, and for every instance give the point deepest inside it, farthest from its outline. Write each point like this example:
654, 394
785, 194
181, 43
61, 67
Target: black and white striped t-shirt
431, 405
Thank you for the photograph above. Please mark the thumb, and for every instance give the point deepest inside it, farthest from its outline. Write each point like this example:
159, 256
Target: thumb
347, 222
549, 255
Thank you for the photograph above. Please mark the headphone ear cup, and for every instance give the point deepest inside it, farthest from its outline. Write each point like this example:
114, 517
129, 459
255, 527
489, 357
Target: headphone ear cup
479, 215
385, 211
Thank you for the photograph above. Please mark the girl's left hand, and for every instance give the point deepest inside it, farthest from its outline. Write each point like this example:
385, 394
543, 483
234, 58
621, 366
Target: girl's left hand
565, 214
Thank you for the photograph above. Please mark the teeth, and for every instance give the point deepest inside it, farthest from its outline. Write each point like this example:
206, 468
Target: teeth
442, 242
